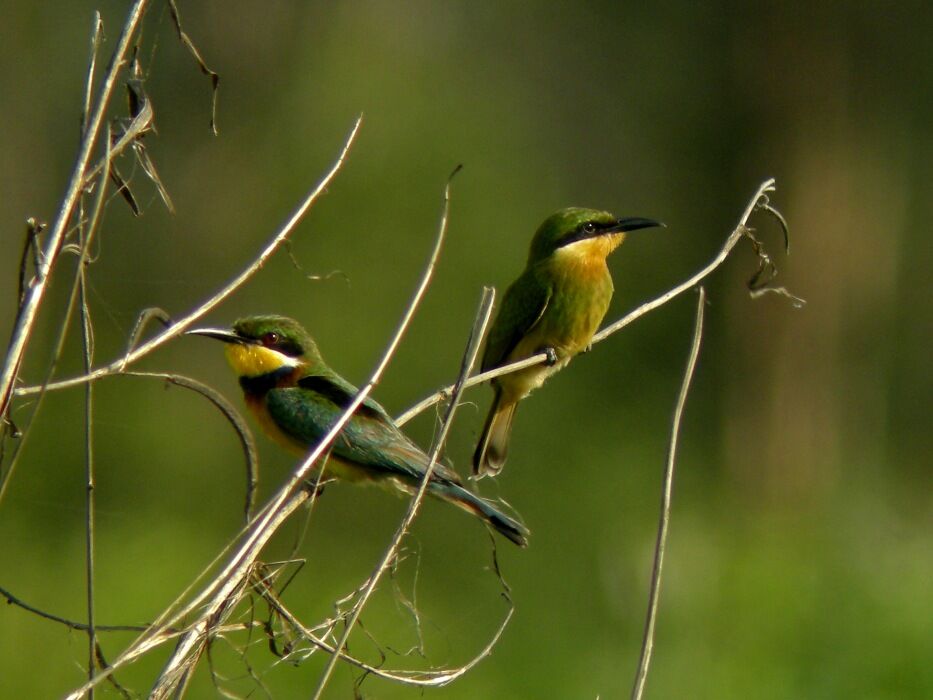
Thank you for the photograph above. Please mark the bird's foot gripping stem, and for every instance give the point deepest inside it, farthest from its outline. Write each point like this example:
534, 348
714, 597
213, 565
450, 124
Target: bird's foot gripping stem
315, 487
551, 356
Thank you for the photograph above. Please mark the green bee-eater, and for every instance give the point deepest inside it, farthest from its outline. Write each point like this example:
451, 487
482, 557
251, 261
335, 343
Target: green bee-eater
555, 306
297, 398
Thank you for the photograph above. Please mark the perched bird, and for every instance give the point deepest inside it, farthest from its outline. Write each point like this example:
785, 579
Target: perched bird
297, 398
555, 306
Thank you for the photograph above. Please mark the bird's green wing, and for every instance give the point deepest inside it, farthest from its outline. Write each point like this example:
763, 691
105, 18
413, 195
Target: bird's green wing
341, 392
370, 439
522, 307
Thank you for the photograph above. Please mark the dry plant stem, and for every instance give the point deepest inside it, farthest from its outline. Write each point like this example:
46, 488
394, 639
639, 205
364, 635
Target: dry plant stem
29, 308
737, 234
664, 518
87, 338
469, 358
237, 572
183, 323
88, 343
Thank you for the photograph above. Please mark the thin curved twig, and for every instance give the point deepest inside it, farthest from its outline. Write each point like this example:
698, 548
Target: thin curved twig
759, 200
233, 417
477, 333
18, 602
179, 327
666, 492
71, 624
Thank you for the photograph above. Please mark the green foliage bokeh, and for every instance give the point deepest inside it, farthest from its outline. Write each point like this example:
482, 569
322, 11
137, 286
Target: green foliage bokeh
799, 562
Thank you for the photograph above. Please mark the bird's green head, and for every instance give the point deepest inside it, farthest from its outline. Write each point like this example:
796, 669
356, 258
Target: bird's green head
258, 345
583, 233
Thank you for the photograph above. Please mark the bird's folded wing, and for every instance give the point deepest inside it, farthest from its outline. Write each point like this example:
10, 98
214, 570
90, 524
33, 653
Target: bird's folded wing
369, 439
522, 307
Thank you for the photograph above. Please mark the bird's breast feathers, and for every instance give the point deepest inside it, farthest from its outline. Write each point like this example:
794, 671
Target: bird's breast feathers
257, 406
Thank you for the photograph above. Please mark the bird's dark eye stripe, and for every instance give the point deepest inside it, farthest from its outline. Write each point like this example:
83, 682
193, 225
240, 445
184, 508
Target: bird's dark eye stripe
274, 341
584, 230
288, 347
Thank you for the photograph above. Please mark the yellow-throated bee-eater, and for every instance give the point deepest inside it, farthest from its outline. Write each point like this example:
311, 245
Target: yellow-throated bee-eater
555, 306
297, 399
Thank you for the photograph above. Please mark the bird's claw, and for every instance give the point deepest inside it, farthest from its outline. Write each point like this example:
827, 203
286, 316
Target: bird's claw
551, 356
316, 486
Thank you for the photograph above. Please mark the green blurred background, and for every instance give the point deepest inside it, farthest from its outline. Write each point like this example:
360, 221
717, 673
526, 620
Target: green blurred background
800, 559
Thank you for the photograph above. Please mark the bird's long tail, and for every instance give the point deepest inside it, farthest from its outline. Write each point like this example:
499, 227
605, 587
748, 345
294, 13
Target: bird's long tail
459, 496
493, 446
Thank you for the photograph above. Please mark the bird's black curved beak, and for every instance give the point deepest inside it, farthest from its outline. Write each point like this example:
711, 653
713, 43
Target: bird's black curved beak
222, 334
633, 223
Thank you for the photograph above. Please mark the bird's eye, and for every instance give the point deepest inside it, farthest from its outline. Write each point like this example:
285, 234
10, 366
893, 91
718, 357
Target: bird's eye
269, 339
589, 227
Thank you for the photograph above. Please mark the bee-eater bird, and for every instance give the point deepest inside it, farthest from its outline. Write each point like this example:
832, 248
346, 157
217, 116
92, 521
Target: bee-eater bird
297, 399
555, 306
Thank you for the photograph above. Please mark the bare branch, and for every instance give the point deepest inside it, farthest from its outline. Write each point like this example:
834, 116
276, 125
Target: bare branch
666, 492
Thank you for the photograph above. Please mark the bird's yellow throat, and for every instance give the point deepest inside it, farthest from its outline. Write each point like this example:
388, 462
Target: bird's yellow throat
591, 249
256, 360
